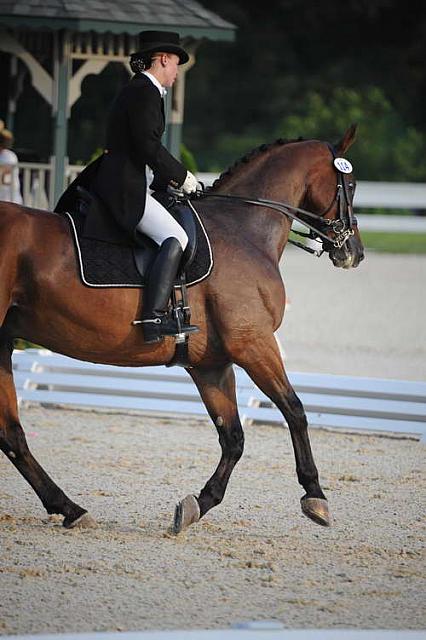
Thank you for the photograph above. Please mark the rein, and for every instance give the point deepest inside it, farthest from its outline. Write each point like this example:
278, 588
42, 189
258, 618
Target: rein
340, 226
342, 233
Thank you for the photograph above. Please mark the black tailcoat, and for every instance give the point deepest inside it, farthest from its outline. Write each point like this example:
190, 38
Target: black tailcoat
133, 140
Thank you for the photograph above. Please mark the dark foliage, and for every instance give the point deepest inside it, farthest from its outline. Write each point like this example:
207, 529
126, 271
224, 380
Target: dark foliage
286, 51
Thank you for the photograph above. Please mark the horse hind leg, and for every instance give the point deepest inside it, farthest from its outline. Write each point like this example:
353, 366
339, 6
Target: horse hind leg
264, 364
217, 389
14, 445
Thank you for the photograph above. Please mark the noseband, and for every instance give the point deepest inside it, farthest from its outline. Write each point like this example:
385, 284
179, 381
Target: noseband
341, 226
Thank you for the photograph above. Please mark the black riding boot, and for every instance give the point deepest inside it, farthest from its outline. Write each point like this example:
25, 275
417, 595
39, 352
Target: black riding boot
156, 322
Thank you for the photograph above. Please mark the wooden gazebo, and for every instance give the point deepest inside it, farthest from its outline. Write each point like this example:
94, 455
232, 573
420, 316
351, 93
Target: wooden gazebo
62, 41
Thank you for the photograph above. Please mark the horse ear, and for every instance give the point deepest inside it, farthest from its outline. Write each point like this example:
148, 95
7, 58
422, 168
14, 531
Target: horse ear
348, 138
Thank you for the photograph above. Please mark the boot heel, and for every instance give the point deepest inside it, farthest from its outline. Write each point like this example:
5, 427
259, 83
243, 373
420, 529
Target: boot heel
151, 328
152, 339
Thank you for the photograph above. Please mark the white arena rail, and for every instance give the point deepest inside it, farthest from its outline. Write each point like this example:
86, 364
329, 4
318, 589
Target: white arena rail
255, 631
37, 191
389, 195
350, 403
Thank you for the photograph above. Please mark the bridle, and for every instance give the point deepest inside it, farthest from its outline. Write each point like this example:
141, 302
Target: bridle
341, 226
346, 218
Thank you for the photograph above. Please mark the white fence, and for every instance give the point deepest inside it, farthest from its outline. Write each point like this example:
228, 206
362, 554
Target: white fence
334, 402
37, 184
258, 630
37, 187
390, 195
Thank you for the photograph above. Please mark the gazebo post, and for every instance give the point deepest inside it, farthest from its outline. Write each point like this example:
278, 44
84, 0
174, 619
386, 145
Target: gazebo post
12, 98
61, 79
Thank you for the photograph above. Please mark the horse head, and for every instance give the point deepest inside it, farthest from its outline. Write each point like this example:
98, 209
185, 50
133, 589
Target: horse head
330, 192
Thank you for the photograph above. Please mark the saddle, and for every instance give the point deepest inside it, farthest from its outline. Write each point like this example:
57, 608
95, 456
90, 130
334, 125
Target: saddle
145, 249
104, 264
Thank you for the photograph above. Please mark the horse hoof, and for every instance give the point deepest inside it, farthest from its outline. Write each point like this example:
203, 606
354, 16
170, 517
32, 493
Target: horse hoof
85, 521
317, 510
187, 512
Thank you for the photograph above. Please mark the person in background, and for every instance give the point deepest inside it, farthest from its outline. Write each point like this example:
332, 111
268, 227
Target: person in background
10, 188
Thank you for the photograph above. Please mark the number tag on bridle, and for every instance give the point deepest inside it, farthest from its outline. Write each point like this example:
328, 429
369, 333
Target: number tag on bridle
343, 165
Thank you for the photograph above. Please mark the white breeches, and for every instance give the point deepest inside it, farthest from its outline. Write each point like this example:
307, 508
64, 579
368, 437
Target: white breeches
159, 224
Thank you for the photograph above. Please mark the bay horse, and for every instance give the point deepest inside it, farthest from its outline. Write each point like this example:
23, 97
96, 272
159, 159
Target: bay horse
238, 308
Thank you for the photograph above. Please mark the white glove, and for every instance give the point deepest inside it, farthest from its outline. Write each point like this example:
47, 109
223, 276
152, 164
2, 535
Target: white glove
191, 183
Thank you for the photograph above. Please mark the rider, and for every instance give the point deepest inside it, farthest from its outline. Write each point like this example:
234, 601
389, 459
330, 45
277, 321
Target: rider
134, 161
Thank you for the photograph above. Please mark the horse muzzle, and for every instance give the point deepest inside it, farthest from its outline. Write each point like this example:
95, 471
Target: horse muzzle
349, 255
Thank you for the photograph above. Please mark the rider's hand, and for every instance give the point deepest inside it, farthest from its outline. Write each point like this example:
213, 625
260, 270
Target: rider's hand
191, 184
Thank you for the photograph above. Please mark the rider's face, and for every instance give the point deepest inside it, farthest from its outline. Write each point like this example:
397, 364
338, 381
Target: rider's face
170, 64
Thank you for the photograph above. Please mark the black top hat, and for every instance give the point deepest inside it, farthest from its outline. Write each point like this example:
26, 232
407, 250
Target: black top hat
167, 41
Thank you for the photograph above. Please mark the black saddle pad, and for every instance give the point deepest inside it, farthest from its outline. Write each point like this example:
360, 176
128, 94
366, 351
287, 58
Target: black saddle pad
103, 264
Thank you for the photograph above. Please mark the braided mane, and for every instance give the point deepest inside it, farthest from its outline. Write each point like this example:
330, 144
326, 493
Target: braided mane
254, 153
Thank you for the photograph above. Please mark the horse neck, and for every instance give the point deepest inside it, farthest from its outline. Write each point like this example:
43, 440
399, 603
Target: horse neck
273, 176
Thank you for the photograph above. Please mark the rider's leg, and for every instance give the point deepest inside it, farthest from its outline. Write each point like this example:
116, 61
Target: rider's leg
158, 224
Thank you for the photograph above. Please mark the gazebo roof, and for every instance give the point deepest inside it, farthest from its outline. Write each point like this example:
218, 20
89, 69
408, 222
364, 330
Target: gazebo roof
116, 16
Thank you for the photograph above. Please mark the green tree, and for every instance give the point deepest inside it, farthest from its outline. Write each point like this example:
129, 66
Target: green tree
187, 159
386, 148
288, 51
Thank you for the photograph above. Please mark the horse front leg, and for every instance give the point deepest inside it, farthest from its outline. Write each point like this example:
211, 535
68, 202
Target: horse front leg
217, 390
14, 445
264, 364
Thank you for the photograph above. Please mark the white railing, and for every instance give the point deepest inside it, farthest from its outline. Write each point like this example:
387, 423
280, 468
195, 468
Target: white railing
37, 188
330, 401
37, 183
389, 195
255, 629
